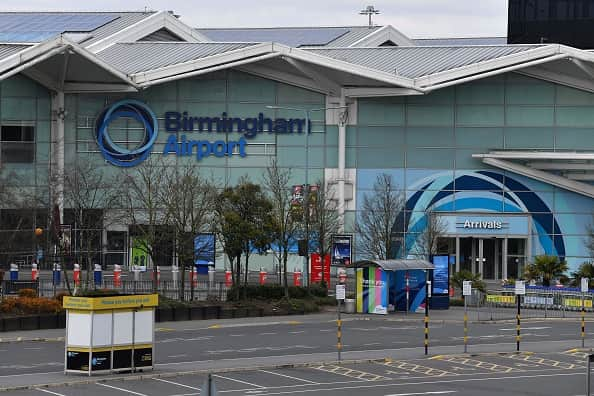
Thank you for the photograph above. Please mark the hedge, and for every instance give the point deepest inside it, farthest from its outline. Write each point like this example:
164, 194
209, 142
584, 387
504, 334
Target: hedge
275, 292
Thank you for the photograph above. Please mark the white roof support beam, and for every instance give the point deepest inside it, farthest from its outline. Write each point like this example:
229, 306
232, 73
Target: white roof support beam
97, 87
42, 78
281, 76
558, 78
580, 176
210, 69
210, 61
587, 69
495, 72
346, 67
323, 81
518, 59
157, 21
561, 166
383, 34
369, 92
537, 155
555, 180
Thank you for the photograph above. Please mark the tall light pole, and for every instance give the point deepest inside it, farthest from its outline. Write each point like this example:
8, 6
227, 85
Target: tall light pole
306, 189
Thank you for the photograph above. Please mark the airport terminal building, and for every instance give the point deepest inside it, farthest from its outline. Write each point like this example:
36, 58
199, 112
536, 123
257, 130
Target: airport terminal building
496, 139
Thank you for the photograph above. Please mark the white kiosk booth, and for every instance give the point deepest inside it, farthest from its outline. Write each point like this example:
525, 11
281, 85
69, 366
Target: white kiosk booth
109, 334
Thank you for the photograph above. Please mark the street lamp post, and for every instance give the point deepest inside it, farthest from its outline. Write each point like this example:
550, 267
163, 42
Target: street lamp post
306, 192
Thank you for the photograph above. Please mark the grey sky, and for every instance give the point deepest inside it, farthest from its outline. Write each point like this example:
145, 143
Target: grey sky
415, 18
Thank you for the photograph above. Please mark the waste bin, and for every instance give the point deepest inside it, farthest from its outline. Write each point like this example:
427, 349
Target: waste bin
349, 305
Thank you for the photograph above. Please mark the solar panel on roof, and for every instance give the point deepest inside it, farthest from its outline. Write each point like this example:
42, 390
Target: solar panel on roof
292, 37
31, 27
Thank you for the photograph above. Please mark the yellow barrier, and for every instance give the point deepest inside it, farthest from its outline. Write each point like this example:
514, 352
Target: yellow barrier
496, 298
576, 302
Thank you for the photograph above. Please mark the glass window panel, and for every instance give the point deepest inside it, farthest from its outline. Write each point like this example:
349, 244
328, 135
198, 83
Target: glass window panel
529, 116
575, 116
483, 115
525, 138
418, 115
538, 93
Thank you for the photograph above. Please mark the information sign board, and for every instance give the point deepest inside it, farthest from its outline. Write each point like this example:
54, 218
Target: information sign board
466, 288
340, 292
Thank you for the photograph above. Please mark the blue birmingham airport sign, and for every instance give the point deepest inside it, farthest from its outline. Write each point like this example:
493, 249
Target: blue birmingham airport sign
183, 129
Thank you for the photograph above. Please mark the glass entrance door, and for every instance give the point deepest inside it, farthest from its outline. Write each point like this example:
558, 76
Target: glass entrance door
482, 256
490, 258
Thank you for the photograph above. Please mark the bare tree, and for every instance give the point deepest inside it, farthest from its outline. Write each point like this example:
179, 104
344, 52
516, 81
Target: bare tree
87, 191
589, 241
285, 225
377, 215
143, 193
324, 220
188, 199
426, 244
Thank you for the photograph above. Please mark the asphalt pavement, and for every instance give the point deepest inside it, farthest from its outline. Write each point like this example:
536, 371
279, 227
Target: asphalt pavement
272, 342
559, 374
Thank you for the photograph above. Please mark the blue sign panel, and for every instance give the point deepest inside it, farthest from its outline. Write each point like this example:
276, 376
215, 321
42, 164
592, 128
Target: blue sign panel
441, 274
204, 252
488, 224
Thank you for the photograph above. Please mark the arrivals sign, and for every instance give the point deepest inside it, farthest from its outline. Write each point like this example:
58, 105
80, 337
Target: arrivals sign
187, 133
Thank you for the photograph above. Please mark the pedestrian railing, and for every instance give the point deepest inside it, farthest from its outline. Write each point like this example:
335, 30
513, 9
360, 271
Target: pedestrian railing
536, 303
201, 291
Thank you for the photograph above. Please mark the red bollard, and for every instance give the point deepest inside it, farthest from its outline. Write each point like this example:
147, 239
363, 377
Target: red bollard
296, 278
158, 275
76, 275
262, 276
228, 278
34, 273
194, 276
117, 275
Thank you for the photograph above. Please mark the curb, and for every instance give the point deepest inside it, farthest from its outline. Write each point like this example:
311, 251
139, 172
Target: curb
34, 339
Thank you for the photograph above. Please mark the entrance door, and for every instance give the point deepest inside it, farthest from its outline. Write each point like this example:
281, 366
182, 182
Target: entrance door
482, 256
491, 258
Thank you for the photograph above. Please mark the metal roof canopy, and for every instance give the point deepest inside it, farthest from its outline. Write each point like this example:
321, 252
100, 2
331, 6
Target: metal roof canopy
397, 265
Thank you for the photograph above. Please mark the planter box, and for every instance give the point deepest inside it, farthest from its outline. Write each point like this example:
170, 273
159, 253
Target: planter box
48, 321
163, 314
197, 313
29, 323
212, 312
181, 313
11, 324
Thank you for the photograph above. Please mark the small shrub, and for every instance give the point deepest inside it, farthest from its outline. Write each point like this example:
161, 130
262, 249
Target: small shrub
318, 290
27, 293
30, 305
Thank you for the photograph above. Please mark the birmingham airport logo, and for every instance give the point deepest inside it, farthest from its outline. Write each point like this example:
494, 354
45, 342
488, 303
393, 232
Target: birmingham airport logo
182, 127
118, 155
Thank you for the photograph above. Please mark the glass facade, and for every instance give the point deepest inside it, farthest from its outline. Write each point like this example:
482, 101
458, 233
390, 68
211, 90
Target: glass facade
425, 142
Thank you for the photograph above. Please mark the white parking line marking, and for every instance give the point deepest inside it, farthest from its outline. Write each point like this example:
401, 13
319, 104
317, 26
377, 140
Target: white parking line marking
176, 383
296, 332
174, 356
288, 376
47, 391
240, 381
423, 393
267, 334
121, 389
237, 335
376, 385
527, 328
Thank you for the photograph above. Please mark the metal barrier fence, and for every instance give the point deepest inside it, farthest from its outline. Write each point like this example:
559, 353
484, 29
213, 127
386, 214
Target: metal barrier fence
496, 304
200, 291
